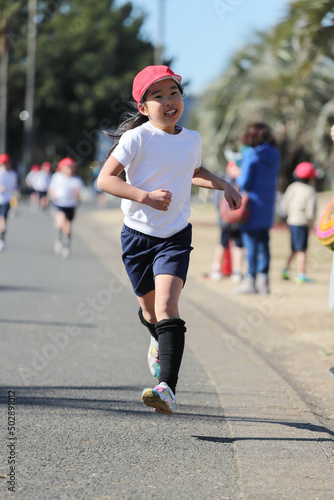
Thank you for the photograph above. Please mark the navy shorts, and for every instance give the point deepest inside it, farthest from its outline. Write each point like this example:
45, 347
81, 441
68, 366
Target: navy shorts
299, 238
42, 194
69, 212
146, 256
230, 234
4, 209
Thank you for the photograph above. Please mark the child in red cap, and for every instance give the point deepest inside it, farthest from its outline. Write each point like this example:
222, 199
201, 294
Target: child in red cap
64, 191
299, 203
33, 195
8, 184
41, 182
161, 161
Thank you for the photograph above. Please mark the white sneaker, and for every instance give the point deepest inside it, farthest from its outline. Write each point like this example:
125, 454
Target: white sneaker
262, 283
247, 286
153, 358
58, 246
236, 277
2, 245
213, 276
161, 398
65, 251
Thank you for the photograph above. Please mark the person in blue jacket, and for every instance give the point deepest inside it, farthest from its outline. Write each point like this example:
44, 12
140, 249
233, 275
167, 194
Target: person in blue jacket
258, 177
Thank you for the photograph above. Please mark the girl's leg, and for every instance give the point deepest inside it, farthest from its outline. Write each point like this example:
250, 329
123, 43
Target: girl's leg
146, 303
59, 219
168, 289
66, 227
263, 250
2, 232
216, 263
2, 224
286, 270
301, 262
238, 256
63, 226
289, 261
263, 262
147, 318
250, 242
170, 328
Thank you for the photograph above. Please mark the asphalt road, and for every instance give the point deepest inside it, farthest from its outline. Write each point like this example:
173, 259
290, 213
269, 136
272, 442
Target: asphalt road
73, 368
75, 355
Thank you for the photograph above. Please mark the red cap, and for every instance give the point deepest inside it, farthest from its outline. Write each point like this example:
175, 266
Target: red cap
150, 75
46, 166
305, 170
4, 158
34, 168
66, 162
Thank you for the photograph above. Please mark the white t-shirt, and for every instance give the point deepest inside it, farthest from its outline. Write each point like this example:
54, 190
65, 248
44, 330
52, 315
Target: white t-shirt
299, 203
65, 189
8, 182
154, 159
30, 177
41, 180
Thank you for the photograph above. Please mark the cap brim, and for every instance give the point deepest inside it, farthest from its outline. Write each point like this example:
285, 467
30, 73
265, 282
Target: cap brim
176, 78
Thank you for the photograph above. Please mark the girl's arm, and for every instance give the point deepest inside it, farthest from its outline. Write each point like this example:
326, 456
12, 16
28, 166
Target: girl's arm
109, 182
206, 179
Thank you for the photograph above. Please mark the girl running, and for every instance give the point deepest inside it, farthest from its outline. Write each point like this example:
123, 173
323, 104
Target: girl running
161, 160
64, 191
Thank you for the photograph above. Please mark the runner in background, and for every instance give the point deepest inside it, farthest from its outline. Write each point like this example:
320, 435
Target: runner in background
34, 200
40, 184
64, 191
8, 184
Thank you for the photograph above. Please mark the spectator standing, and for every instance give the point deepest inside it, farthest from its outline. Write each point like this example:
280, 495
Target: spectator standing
228, 233
299, 203
258, 177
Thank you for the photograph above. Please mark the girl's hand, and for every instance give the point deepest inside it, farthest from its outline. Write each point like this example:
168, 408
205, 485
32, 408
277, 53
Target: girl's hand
232, 197
332, 132
159, 199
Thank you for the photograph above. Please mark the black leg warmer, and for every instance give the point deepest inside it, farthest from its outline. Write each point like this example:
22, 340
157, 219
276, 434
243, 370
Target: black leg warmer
148, 325
171, 345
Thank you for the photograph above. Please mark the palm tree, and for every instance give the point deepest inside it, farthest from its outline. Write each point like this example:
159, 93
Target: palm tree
270, 81
310, 23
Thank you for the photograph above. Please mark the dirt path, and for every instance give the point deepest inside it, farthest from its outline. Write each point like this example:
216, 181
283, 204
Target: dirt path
301, 344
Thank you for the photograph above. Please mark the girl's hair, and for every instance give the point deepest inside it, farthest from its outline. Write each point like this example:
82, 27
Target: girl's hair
131, 119
258, 133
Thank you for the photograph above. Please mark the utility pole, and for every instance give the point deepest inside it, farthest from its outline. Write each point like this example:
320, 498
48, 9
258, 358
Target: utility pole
159, 47
30, 85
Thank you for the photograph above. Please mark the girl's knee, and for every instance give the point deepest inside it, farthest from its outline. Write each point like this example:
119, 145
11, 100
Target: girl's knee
168, 309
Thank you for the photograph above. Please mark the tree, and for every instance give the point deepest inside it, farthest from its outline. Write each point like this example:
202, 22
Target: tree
87, 56
8, 19
270, 81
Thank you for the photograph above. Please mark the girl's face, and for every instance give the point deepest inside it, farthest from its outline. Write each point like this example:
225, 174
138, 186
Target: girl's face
69, 170
163, 105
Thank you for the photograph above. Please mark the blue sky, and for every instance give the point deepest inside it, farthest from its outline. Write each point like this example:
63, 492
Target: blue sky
202, 35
